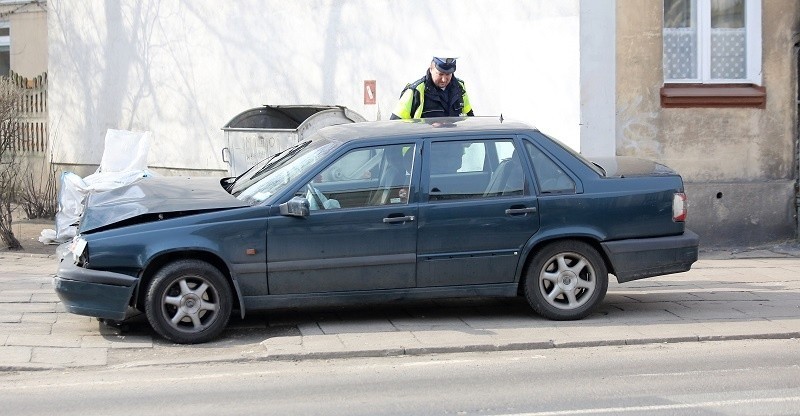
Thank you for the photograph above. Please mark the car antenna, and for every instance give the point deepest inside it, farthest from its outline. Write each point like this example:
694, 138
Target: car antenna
501, 117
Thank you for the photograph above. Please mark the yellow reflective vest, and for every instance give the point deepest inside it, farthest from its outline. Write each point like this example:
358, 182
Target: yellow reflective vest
412, 100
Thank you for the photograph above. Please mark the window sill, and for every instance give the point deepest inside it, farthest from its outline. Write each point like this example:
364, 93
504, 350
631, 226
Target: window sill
713, 96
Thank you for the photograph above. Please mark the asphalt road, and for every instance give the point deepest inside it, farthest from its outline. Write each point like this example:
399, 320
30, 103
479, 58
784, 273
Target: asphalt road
749, 377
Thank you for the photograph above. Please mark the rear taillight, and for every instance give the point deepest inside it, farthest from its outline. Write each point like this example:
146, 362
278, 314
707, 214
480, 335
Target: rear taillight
679, 207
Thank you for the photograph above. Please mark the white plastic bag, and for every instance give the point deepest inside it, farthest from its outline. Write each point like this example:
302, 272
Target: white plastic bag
125, 151
124, 162
70, 205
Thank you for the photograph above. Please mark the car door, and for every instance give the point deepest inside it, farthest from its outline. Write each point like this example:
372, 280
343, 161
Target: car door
477, 211
361, 232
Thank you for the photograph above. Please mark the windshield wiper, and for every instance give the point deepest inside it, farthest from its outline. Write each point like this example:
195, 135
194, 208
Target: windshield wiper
269, 163
286, 153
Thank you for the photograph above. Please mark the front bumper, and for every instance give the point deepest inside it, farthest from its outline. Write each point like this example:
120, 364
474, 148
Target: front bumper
94, 292
639, 258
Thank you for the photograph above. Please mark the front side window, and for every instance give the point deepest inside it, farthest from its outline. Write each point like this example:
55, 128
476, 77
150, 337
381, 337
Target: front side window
371, 176
712, 41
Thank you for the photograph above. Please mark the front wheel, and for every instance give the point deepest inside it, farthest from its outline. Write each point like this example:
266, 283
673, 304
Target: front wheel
188, 302
566, 280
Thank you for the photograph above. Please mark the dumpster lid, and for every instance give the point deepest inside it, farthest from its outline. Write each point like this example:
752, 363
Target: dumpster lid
276, 116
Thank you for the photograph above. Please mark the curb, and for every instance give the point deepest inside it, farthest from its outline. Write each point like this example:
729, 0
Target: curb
421, 351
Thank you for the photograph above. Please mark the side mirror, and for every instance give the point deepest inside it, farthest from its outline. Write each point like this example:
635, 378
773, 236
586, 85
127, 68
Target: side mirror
295, 207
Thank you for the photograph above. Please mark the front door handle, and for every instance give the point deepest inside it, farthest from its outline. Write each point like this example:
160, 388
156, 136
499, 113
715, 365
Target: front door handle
518, 211
390, 220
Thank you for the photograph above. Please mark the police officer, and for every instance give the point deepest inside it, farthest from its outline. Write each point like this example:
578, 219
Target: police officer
438, 94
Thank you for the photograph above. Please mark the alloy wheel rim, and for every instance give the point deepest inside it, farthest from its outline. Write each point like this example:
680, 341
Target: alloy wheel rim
567, 281
190, 304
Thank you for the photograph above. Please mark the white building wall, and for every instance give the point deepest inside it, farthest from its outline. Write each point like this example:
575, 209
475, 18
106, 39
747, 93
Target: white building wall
182, 69
598, 77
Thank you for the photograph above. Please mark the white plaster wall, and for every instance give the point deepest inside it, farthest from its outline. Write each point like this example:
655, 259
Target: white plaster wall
598, 77
182, 69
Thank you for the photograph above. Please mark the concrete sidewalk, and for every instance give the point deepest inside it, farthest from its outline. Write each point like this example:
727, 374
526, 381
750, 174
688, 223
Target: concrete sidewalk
719, 299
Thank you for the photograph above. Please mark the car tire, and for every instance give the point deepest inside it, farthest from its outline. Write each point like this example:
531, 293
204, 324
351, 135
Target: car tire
188, 302
566, 280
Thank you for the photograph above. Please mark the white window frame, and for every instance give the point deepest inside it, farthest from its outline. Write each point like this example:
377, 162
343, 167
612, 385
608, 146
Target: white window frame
752, 23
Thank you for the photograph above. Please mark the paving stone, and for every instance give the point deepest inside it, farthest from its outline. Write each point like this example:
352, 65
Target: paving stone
27, 307
648, 311
13, 355
83, 327
788, 324
10, 317
449, 338
592, 335
543, 336
116, 341
70, 357
284, 345
45, 298
17, 296
683, 329
312, 328
427, 324
25, 328
386, 341
768, 309
321, 342
36, 317
730, 295
50, 340
340, 327
734, 329
703, 310
282, 341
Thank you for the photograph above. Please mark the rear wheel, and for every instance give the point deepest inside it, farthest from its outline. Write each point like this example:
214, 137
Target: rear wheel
566, 280
188, 302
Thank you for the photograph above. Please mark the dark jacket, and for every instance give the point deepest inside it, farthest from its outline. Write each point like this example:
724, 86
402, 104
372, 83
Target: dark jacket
453, 101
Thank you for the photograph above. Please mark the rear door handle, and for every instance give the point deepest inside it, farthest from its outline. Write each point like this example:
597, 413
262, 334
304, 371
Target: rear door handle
517, 211
390, 220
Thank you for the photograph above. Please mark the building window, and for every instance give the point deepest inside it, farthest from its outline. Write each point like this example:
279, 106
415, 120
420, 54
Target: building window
712, 41
5, 48
712, 54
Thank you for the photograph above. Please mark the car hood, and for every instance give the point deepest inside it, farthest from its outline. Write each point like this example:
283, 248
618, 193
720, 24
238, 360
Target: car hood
626, 166
155, 195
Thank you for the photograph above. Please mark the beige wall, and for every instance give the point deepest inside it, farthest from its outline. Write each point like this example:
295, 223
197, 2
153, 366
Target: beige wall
28, 24
706, 144
738, 163
29, 43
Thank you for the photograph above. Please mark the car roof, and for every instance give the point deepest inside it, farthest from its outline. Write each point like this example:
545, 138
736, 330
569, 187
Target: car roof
432, 127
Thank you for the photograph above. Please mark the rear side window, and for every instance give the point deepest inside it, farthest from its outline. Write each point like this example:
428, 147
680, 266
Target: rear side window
550, 177
475, 169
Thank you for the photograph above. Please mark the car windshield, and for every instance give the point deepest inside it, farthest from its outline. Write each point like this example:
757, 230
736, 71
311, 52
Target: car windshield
272, 175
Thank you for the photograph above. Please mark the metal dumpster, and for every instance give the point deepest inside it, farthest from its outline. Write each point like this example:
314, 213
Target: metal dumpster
259, 132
